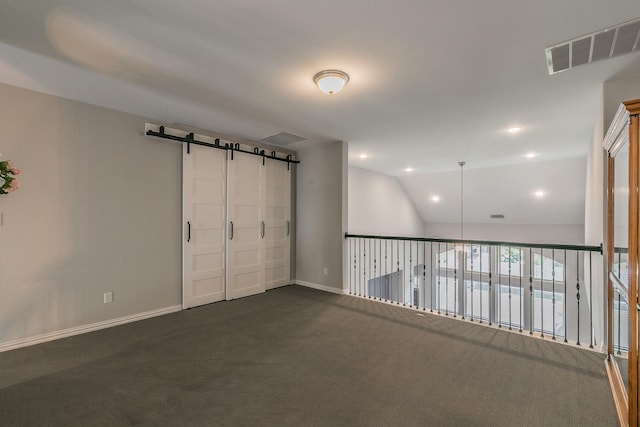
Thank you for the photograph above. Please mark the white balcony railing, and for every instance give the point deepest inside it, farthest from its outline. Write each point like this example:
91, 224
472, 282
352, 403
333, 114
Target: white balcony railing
537, 289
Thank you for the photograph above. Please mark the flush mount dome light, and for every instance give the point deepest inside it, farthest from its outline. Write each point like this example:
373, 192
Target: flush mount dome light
331, 81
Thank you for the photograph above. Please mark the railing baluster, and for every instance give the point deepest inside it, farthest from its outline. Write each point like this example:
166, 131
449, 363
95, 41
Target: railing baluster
364, 275
424, 276
553, 290
360, 242
446, 289
531, 308
521, 291
462, 286
578, 291
431, 275
455, 281
350, 244
471, 279
590, 304
542, 292
386, 271
394, 275
355, 266
564, 279
499, 287
369, 270
619, 324
491, 302
398, 281
509, 287
411, 275
378, 279
438, 272
481, 284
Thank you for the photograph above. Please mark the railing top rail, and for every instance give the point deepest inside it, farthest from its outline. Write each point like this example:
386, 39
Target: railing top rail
482, 242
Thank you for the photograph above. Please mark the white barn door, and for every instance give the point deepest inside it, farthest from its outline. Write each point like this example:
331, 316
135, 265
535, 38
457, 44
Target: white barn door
246, 229
204, 204
277, 217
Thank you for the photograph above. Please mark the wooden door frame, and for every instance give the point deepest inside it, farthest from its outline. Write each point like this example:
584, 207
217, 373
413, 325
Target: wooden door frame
624, 130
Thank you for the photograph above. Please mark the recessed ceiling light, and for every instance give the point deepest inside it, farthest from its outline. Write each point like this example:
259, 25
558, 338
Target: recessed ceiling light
514, 129
408, 170
363, 156
539, 193
435, 198
530, 155
331, 81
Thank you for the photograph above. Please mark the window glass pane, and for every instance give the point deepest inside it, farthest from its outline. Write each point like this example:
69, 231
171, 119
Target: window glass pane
620, 325
509, 310
548, 316
547, 269
478, 258
510, 260
446, 294
447, 259
477, 300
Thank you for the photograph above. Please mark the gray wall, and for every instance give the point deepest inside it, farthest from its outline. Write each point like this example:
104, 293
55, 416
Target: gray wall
99, 210
526, 233
594, 226
379, 205
319, 214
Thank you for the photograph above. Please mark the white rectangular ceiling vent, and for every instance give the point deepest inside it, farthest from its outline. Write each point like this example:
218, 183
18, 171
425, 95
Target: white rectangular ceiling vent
497, 216
283, 138
608, 43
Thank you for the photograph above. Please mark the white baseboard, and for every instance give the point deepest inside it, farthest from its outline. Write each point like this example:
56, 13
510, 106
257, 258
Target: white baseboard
50, 336
324, 288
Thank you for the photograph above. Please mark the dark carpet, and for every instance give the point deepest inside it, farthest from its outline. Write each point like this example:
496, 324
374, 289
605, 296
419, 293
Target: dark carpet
299, 357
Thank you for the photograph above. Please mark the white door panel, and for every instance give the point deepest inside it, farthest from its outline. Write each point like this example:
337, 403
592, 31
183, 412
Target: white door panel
277, 208
204, 202
246, 257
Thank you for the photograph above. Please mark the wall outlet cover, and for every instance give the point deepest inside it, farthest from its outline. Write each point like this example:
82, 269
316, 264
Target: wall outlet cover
108, 297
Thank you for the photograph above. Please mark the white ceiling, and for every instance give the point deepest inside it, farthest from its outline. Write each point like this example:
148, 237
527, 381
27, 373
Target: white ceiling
432, 81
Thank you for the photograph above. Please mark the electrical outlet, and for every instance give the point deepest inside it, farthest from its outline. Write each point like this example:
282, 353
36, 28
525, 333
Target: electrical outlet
108, 297
326, 271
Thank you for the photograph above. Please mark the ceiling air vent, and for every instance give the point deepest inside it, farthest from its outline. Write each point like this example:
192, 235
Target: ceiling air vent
283, 138
497, 216
603, 44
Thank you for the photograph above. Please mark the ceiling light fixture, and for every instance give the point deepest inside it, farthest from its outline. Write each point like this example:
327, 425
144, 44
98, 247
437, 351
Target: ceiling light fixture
363, 156
530, 155
435, 198
514, 129
331, 81
539, 193
408, 170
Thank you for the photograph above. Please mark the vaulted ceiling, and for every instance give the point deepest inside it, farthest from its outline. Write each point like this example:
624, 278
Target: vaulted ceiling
432, 82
